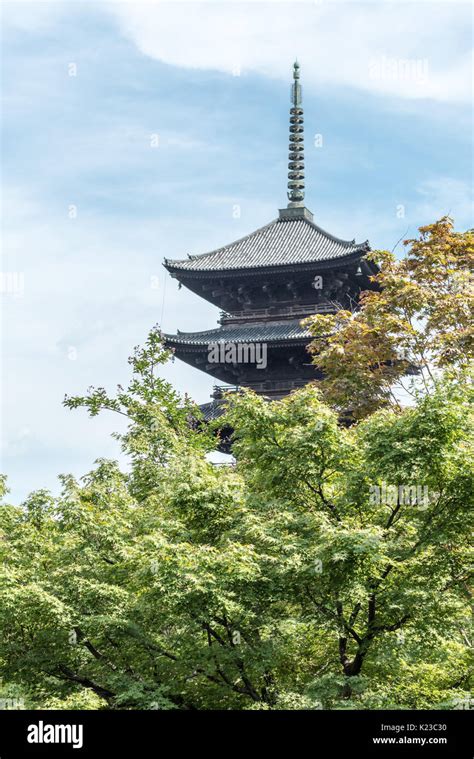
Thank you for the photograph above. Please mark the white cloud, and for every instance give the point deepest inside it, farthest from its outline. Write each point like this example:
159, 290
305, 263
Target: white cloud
407, 50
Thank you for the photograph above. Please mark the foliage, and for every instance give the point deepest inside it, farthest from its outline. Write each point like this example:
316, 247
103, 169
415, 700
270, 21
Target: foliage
417, 321
278, 583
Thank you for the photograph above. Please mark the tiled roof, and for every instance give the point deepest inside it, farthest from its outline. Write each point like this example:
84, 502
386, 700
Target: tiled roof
243, 333
284, 241
212, 410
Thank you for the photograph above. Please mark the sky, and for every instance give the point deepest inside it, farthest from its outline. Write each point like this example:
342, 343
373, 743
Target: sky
134, 132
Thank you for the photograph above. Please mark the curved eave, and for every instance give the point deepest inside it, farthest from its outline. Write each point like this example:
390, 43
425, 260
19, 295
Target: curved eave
328, 263
178, 342
250, 332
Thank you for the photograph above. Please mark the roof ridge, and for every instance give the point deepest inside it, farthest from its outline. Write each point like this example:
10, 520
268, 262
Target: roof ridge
333, 237
194, 332
223, 247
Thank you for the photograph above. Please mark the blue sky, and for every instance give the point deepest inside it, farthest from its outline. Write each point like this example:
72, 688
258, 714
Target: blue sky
386, 85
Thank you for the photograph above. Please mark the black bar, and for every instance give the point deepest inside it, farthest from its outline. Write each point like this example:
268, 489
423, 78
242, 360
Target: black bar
311, 733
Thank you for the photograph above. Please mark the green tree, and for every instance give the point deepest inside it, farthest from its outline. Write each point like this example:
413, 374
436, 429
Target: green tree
417, 322
282, 582
369, 532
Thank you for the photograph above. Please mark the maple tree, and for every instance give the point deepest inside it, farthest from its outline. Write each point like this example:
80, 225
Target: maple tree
418, 322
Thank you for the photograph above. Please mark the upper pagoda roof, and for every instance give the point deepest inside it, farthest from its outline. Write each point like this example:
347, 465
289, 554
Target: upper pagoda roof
291, 239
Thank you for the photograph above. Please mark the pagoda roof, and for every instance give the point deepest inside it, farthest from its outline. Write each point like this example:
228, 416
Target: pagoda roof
291, 239
212, 410
281, 331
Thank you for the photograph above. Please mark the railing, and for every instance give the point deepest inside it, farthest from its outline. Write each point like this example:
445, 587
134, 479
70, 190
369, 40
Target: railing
219, 390
275, 386
266, 386
275, 312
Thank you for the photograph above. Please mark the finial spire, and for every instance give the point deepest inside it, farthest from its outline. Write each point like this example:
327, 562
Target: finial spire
296, 154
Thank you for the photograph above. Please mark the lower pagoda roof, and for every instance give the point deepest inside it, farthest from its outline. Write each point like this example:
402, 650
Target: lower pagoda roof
255, 332
212, 410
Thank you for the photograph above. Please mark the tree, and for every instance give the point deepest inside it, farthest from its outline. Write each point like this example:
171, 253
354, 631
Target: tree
282, 582
133, 586
368, 528
418, 322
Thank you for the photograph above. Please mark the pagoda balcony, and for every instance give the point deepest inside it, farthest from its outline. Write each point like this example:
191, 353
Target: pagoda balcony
276, 312
218, 391
278, 388
266, 386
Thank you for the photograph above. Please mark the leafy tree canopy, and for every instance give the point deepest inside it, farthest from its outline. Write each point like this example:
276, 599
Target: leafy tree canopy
417, 322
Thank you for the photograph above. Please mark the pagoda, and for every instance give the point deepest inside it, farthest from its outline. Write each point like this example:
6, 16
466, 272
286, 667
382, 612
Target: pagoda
265, 284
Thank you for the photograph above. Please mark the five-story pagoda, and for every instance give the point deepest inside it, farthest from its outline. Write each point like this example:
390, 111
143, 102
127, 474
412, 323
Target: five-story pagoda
266, 283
